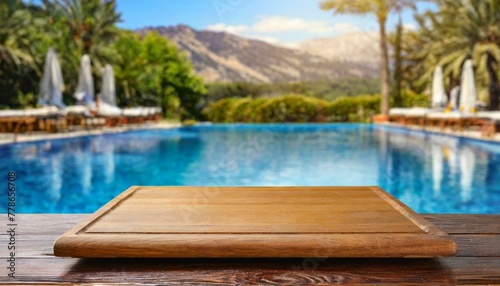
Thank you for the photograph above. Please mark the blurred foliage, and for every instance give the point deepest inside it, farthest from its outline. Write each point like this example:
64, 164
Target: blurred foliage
296, 108
149, 70
447, 37
327, 90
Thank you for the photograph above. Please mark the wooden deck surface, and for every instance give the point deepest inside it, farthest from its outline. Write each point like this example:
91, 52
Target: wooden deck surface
477, 261
255, 222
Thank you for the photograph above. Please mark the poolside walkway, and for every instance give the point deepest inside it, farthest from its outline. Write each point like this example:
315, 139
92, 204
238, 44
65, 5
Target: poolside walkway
476, 263
7, 138
448, 131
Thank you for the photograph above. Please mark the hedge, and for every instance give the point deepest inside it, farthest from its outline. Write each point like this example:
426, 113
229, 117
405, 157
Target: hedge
294, 108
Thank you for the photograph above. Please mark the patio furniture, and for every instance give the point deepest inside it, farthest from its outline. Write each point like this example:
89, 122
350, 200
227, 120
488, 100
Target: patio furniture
112, 115
409, 116
490, 122
455, 120
49, 119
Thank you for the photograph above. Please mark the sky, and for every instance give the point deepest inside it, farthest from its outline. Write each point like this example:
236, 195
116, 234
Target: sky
276, 21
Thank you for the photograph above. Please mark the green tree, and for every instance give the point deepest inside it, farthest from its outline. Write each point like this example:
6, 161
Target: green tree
461, 30
22, 44
151, 71
168, 75
80, 27
128, 64
381, 10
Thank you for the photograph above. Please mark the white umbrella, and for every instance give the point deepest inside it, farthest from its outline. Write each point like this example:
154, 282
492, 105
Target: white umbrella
108, 92
438, 92
52, 82
468, 94
85, 88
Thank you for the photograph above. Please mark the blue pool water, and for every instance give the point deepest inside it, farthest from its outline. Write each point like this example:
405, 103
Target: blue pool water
430, 173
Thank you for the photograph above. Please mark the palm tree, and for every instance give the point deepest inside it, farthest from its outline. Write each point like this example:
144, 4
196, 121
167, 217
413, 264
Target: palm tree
22, 43
381, 9
461, 30
91, 23
83, 27
13, 21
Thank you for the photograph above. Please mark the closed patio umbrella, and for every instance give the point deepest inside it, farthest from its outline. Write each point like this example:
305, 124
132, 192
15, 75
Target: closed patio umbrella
85, 88
438, 92
52, 82
468, 94
108, 92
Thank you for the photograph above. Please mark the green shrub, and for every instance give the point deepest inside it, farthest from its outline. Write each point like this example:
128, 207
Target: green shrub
250, 113
354, 109
294, 108
412, 99
237, 110
219, 111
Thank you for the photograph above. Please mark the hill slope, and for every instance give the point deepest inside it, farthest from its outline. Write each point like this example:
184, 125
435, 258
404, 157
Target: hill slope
224, 57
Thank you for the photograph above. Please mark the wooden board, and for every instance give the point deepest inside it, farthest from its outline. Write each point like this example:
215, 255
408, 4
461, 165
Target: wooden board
188, 222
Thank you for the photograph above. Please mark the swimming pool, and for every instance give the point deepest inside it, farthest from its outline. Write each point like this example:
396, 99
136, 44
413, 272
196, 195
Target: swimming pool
431, 173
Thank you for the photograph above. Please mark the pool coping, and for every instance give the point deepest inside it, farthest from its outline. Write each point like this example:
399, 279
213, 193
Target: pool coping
473, 135
8, 138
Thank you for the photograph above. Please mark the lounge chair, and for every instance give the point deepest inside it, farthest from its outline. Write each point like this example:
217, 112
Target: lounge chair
50, 119
82, 116
409, 116
112, 115
13, 120
454, 120
490, 122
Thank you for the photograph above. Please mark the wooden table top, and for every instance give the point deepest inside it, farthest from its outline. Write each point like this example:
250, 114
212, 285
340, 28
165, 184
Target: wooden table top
477, 261
252, 222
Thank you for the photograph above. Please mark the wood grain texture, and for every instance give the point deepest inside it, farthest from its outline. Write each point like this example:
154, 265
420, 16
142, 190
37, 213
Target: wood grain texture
37, 264
229, 222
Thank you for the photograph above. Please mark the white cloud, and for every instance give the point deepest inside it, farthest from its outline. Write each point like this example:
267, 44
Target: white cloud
269, 24
278, 24
409, 27
347, 27
220, 27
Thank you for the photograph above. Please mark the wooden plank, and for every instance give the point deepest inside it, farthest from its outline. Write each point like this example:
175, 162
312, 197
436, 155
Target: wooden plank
486, 245
377, 225
38, 246
37, 265
309, 271
466, 224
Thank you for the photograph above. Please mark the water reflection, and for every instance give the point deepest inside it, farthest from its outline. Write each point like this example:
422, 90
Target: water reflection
430, 173
452, 171
437, 168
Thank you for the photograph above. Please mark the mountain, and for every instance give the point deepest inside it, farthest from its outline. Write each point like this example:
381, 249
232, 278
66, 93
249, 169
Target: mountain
358, 47
224, 57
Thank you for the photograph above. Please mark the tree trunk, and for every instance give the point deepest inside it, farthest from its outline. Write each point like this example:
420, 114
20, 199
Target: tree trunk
384, 69
398, 68
494, 86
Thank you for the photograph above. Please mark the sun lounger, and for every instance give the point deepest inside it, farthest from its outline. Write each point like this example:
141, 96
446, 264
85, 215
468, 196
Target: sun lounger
112, 115
50, 119
81, 115
454, 120
409, 116
490, 121
135, 115
14, 120
138, 115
